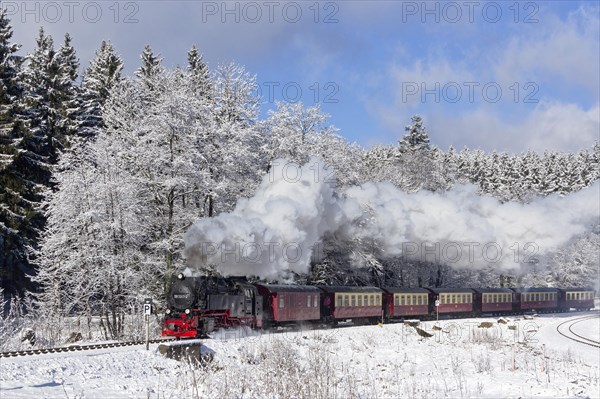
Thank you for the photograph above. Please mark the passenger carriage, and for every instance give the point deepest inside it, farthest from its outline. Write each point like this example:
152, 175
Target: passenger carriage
540, 299
343, 303
451, 300
289, 304
405, 302
576, 298
493, 300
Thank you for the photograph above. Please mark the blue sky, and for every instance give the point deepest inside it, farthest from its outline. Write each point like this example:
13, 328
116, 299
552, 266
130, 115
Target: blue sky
493, 75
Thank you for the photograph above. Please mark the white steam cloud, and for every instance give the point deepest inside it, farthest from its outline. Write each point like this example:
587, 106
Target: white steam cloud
273, 233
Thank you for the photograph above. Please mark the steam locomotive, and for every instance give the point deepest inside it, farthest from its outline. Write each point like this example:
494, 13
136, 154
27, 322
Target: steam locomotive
200, 305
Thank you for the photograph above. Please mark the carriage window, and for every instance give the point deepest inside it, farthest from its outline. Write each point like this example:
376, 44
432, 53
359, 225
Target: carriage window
458, 299
419, 299
360, 300
402, 300
281, 302
372, 300
308, 301
339, 300
396, 300
453, 300
353, 300
316, 301
378, 299
346, 300
425, 299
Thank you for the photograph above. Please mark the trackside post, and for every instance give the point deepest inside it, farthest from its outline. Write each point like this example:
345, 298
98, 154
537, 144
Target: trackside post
147, 313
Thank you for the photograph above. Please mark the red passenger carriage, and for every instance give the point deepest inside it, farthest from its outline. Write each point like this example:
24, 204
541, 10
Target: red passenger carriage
576, 298
493, 300
452, 300
405, 302
540, 299
343, 303
285, 304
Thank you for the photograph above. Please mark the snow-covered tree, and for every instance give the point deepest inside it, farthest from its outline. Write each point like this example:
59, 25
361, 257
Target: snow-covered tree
150, 69
102, 74
15, 228
89, 259
416, 138
200, 74
236, 97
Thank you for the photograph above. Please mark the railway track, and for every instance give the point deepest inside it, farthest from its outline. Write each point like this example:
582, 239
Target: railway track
78, 348
578, 337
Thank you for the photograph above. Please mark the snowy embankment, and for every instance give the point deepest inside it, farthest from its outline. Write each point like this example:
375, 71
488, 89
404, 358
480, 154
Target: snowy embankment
460, 360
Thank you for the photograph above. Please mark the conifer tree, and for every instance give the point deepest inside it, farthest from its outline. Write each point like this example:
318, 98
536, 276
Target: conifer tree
13, 219
48, 107
416, 138
99, 78
200, 75
150, 69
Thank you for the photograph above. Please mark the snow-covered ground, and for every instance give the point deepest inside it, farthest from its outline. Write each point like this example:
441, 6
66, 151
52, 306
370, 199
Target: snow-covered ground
460, 360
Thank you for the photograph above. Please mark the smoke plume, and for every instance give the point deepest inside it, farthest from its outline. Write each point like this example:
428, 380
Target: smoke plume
273, 233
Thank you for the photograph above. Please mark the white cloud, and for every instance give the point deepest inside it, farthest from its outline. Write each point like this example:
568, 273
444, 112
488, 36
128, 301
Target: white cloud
555, 126
559, 56
564, 52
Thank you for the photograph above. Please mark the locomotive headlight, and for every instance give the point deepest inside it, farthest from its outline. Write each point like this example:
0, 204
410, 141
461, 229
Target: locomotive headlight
180, 276
187, 311
168, 311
